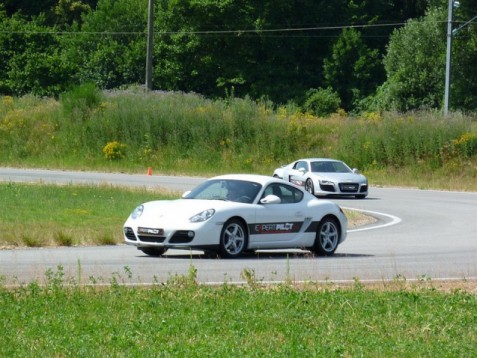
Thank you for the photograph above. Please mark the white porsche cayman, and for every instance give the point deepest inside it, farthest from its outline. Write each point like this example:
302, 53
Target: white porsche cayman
232, 214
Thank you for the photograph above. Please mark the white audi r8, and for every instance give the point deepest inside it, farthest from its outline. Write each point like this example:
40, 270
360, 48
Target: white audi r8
236, 213
325, 177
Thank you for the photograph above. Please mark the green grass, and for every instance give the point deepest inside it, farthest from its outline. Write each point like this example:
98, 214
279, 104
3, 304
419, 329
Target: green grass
177, 133
185, 319
49, 215
72, 215
129, 131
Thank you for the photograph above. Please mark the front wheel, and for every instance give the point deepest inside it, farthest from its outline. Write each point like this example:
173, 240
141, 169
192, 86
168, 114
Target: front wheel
309, 187
153, 251
233, 239
327, 237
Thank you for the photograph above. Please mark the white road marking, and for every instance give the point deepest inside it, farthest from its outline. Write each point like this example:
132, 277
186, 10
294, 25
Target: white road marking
394, 220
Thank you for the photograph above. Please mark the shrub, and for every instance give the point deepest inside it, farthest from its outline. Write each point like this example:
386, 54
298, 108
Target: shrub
322, 102
114, 150
80, 100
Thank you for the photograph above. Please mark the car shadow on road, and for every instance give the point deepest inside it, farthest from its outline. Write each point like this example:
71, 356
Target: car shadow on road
259, 255
350, 198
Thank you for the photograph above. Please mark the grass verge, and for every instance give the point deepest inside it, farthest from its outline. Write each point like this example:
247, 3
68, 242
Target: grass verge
183, 318
51, 215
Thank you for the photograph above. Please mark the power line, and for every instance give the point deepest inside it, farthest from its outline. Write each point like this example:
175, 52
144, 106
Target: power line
209, 32
240, 32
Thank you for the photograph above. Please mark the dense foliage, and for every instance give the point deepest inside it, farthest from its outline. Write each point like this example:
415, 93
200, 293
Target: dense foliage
379, 55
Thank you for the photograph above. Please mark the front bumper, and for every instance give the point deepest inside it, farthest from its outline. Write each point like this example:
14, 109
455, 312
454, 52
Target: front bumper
193, 237
329, 188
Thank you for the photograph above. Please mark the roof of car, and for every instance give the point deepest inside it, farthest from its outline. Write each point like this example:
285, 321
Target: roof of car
320, 159
261, 179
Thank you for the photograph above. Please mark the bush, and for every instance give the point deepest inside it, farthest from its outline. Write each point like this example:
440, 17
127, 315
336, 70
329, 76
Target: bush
114, 150
322, 102
80, 100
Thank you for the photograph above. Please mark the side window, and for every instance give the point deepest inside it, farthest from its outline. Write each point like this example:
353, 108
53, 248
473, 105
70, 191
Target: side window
290, 194
301, 165
273, 189
286, 193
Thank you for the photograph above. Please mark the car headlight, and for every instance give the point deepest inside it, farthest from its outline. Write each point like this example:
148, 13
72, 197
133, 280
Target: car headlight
202, 216
326, 182
137, 212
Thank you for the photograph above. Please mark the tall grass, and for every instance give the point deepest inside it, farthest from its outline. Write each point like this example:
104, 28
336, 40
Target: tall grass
187, 133
68, 215
183, 318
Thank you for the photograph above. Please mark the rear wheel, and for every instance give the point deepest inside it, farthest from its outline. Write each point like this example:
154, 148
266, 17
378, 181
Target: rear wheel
233, 239
309, 187
153, 251
327, 237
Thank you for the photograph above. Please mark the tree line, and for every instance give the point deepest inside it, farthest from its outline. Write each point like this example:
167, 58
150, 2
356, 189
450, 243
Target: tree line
319, 55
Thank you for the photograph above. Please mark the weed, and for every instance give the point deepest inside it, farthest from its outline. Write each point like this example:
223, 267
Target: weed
106, 240
31, 241
249, 276
63, 239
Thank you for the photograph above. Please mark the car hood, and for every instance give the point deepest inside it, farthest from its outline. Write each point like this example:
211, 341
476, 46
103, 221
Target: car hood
183, 208
340, 177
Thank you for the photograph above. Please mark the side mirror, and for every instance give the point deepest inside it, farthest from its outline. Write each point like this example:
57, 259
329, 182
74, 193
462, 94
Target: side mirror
355, 170
270, 199
302, 170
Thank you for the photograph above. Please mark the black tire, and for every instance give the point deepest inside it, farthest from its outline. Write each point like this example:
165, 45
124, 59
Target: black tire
153, 251
309, 187
327, 237
233, 239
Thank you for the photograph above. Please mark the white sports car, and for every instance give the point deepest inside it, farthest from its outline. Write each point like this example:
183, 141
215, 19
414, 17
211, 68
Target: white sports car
325, 177
237, 213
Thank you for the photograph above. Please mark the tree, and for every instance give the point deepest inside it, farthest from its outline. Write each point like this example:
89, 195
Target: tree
464, 57
28, 8
31, 57
415, 64
55, 12
267, 49
109, 47
69, 11
353, 70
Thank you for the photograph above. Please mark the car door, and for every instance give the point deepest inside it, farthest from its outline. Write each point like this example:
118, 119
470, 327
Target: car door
297, 175
277, 225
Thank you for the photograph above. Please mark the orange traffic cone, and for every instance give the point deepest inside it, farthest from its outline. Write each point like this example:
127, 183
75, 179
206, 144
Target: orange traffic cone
149, 171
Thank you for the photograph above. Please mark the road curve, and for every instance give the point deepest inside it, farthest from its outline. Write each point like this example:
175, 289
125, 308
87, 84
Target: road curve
422, 235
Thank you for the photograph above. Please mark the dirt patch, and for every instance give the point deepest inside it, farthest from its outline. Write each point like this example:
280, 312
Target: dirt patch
358, 219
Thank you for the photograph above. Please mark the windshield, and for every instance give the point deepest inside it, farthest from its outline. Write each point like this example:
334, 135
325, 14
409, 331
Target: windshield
329, 167
226, 189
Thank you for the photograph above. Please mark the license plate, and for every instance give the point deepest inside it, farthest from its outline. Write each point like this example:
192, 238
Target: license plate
150, 231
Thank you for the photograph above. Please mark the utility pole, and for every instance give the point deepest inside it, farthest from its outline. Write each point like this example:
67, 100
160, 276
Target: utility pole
150, 32
448, 57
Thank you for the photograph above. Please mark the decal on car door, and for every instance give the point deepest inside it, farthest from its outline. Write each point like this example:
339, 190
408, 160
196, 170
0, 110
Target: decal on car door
275, 228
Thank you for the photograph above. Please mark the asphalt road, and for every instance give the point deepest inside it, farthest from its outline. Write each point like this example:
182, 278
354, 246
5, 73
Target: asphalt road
420, 235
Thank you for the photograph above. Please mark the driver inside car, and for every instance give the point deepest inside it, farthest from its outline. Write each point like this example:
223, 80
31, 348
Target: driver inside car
233, 192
